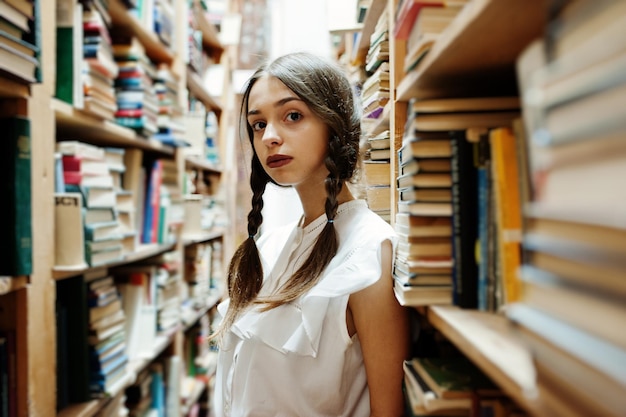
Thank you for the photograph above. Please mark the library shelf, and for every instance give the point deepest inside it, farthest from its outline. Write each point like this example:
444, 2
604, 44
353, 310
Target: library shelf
382, 123
122, 18
144, 251
192, 239
91, 408
198, 388
476, 53
162, 341
210, 40
194, 84
76, 123
192, 162
14, 283
487, 340
12, 89
374, 11
211, 301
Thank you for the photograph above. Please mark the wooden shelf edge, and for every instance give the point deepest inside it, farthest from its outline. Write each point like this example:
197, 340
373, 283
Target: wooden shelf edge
155, 49
203, 237
198, 388
459, 51
11, 284
486, 339
192, 162
13, 89
144, 252
92, 129
194, 84
163, 340
210, 39
91, 408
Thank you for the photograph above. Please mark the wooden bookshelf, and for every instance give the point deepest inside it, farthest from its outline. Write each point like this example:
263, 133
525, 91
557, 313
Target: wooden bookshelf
194, 84
143, 252
13, 89
80, 125
487, 340
477, 52
203, 236
122, 18
10, 284
210, 40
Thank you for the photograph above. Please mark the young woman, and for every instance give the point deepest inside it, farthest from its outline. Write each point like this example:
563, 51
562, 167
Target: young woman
311, 326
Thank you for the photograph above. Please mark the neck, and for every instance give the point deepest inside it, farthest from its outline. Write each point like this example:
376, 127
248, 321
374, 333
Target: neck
313, 203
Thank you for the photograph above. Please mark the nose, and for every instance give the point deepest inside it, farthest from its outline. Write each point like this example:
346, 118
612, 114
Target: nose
271, 136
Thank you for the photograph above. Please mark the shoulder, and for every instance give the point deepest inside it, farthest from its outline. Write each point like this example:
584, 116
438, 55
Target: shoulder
358, 226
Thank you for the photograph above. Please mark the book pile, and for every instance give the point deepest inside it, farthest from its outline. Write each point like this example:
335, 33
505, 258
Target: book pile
574, 241
438, 191
377, 174
168, 299
136, 100
451, 386
99, 69
170, 123
431, 19
198, 267
86, 171
19, 40
375, 89
107, 336
164, 21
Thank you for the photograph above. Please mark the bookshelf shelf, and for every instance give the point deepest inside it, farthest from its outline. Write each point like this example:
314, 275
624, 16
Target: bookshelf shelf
486, 339
162, 341
210, 40
76, 123
13, 89
198, 388
144, 251
194, 84
477, 52
216, 233
211, 302
374, 12
10, 284
91, 408
155, 49
201, 164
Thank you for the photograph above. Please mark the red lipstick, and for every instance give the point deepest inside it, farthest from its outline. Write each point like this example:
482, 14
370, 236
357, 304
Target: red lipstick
277, 161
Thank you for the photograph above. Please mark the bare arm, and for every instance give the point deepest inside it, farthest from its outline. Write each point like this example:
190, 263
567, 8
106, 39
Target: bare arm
382, 326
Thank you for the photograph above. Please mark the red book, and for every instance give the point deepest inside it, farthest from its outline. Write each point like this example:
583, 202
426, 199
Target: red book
408, 14
129, 113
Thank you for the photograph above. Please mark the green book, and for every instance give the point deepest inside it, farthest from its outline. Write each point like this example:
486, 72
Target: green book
15, 188
69, 52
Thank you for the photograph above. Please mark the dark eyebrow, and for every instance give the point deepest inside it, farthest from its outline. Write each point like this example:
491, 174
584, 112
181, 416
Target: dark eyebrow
279, 103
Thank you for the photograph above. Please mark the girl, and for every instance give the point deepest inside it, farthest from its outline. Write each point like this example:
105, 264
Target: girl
311, 326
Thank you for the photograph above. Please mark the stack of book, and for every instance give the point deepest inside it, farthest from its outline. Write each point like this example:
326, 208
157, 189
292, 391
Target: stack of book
19, 43
451, 386
198, 267
86, 171
377, 174
171, 128
423, 264
437, 186
574, 241
139, 395
99, 69
107, 337
375, 89
136, 100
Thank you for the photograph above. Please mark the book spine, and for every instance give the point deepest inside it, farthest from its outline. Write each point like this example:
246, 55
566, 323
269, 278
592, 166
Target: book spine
16, 212
464, 216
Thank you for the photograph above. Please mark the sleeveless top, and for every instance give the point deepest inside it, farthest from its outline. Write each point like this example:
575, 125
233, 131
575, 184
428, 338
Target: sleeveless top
298, 359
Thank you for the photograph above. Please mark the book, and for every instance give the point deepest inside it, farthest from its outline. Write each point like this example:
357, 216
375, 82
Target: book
583, 306
469, 104
424, 148
94, 196
416, 165
416, 248
417, 208
424, 278
508, 210
69, 52
453, 377
589, 369
409, 11
69, 235
18, 64
423, 225
16, 249
377, 172
464, 219
425, 180
422, 295
426, 194
460, 120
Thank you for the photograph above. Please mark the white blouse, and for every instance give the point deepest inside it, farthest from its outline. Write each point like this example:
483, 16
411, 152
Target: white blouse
298, 359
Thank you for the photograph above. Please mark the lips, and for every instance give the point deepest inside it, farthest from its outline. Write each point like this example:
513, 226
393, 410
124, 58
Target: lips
277, 161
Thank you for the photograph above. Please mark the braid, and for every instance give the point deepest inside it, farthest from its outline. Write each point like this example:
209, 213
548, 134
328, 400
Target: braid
245, 272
